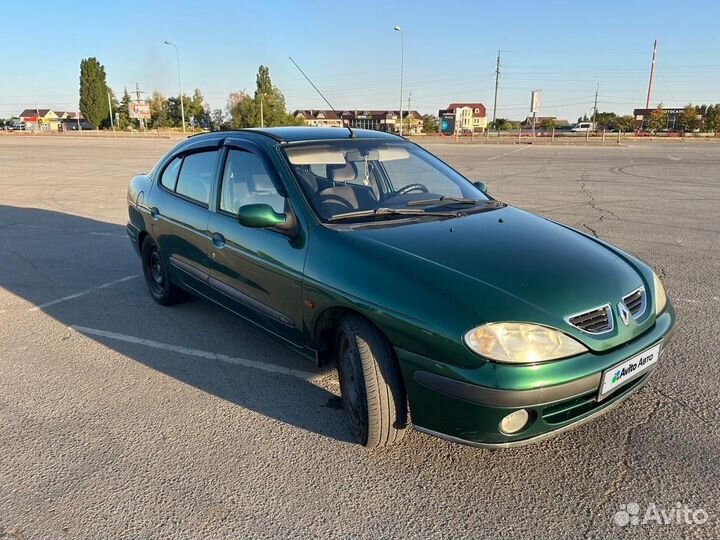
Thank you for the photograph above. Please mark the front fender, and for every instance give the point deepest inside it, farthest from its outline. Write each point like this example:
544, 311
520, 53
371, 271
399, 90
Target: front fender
401, 296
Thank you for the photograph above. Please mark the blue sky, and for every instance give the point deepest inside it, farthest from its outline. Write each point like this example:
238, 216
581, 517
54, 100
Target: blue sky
352, 53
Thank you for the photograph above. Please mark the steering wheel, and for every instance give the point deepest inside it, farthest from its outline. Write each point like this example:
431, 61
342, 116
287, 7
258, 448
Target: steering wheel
412, 187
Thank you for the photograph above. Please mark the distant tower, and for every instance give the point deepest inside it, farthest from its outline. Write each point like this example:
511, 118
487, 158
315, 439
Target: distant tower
652, 73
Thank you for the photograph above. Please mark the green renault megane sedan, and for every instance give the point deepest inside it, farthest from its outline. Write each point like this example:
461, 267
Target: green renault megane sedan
485, 324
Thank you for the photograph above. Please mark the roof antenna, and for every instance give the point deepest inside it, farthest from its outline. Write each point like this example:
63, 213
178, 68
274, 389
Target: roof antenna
321, 95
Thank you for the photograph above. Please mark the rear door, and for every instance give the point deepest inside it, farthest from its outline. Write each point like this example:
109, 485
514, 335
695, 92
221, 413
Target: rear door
179, 211
256, 272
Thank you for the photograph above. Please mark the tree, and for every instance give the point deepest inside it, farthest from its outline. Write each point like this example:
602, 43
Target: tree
712, 119
159, 117
174, 116
271, 98
218, 120
688, 118
266, 107
93, 92
605, 120
548, 124
625, 123
295, 121
197, 111
502, 124
124, 111
708, 117
242, 111
429, 124
657, 120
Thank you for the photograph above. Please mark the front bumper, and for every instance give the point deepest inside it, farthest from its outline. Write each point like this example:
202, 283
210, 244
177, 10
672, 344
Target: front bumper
452, 403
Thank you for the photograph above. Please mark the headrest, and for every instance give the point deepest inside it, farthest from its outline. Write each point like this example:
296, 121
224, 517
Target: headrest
342, 173
308, 179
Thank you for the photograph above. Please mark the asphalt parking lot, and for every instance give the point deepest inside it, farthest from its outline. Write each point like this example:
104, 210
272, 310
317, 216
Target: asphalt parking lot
123, 419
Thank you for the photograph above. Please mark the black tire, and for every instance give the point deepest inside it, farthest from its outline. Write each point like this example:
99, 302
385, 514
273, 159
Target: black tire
370, 383
157, 277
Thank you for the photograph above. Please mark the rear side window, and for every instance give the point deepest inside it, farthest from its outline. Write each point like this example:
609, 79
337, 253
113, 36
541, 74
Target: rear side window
196, 176
170, 174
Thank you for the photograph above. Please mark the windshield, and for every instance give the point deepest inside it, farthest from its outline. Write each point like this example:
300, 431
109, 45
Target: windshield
371, 179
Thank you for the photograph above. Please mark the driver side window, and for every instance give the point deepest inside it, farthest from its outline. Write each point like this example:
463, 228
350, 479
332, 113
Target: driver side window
404, 172
247, 181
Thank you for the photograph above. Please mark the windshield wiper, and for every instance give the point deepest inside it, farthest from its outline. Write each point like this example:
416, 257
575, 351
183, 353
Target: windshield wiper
388, 212
444, 200
449, 201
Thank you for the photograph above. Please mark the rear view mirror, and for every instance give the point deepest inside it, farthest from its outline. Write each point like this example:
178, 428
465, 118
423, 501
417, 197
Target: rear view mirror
482, 186
356, 156
259, 216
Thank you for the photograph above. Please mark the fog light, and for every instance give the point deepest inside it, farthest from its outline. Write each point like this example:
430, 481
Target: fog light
514, 421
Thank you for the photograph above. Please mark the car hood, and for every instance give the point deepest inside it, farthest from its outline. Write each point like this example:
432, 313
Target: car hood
508, 264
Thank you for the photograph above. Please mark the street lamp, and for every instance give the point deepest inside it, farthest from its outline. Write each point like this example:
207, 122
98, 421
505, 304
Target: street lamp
182, 105
402, 61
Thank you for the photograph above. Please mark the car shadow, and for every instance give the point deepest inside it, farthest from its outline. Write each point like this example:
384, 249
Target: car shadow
84, 273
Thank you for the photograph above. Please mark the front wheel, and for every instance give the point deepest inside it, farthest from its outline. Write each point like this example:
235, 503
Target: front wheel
157, 278
372, 389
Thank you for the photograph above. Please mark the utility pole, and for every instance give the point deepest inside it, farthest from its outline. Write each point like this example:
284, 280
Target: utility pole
408, 112
652, 73
497, 79
597, 89
112, 124
141, 122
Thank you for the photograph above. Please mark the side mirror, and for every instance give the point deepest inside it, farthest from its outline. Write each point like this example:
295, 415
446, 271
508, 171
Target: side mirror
482, 186
259, 216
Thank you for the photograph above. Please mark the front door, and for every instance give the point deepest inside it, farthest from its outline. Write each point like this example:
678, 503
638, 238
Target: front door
257, 272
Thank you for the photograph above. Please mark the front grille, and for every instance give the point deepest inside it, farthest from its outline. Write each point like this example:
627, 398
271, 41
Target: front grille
596, 321
636, 302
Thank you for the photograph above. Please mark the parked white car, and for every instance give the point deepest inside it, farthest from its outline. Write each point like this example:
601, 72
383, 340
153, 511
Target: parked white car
582, 127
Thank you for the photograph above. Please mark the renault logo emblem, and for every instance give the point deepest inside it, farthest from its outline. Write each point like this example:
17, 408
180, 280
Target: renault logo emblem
624, 313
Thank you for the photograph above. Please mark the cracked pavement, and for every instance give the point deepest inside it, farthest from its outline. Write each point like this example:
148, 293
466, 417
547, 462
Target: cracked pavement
105, 438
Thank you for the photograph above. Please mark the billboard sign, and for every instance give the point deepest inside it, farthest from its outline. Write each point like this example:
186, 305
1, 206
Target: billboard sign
535, 101
139, 110
447, 124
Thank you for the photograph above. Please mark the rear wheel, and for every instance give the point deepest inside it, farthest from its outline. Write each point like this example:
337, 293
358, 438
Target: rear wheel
372, 390
157, 278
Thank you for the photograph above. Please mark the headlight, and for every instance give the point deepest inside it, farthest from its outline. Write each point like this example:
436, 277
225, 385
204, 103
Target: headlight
521, 343
660, 298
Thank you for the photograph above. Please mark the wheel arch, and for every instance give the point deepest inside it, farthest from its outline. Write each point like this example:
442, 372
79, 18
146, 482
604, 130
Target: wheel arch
325, 330
141, 238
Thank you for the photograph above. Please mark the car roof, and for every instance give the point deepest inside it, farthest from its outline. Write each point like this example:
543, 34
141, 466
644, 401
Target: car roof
292, 134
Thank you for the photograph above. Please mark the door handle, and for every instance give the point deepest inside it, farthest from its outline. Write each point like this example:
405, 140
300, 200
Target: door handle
218, 240
154, 212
